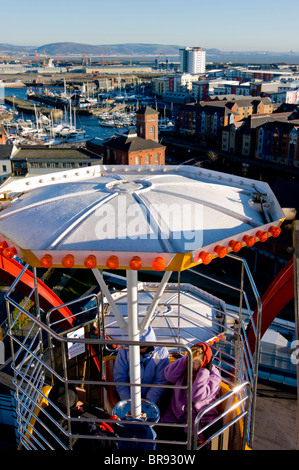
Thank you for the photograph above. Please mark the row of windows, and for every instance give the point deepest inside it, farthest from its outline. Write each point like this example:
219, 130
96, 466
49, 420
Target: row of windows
151, 130
56, 165
138, 159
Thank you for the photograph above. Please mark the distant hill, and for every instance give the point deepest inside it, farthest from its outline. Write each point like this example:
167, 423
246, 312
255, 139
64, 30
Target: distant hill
170, 51
128, 49
141, 50
6, 49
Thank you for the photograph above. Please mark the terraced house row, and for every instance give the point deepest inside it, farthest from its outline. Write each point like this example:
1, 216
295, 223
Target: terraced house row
268, 137
251, 127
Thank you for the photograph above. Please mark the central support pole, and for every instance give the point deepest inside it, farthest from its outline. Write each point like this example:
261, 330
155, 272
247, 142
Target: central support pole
134, 351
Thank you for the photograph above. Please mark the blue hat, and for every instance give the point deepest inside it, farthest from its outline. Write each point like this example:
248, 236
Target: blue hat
148, 335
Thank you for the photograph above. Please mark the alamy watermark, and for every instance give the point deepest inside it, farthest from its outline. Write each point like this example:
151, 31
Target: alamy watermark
181, 224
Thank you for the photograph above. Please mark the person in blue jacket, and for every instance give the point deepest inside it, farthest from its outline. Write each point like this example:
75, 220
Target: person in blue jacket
153, 360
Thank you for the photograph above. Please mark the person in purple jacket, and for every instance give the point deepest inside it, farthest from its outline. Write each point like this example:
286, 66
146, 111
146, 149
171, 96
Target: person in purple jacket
206, 382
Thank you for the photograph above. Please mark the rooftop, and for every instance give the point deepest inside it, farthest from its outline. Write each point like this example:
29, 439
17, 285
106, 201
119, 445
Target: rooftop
45, 153
5, 151
146, 110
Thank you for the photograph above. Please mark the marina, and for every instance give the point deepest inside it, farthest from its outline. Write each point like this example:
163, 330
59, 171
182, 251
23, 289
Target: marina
102, 121
66, 124
49, 126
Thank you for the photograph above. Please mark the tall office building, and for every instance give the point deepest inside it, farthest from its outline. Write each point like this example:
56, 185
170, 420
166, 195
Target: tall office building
192, 60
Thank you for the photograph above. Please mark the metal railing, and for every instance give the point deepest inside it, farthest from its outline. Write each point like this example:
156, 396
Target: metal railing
231, 416
35, 364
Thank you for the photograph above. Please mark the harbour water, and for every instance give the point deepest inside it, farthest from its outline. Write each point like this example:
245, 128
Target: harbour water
88, 123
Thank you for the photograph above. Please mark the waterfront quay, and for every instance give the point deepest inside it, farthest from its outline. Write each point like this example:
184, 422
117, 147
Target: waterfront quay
31, 108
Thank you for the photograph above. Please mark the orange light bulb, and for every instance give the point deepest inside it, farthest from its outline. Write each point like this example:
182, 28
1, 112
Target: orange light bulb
112, 262
90, 262
135, 263
221, 251
46, 261
249, 240
262, 236
235, 245
275, 231
68, 261
3, 245
158, 264
9, 253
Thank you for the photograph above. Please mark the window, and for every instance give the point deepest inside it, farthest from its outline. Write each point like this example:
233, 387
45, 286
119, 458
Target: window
4, 168
156, 158
146, 159
151, 130
137, 160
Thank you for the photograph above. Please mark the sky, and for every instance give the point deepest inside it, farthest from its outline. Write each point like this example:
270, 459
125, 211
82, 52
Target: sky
258, 25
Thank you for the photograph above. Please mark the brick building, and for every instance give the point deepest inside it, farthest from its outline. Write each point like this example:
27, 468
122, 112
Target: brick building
137, 148
207, 119
269, 137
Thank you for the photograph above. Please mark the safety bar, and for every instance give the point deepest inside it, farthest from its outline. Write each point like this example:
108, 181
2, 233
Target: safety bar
238, 389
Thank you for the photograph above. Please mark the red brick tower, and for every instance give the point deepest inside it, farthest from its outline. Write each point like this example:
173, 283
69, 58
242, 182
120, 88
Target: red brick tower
147, 123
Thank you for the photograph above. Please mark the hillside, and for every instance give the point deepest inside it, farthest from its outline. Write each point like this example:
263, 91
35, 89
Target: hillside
129, 49
140, 50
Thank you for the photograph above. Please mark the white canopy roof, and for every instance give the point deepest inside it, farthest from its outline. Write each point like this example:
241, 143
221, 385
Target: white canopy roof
174, 212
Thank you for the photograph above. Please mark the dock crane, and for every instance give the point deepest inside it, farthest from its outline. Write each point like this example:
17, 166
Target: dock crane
84, 60
157, 60
48, 61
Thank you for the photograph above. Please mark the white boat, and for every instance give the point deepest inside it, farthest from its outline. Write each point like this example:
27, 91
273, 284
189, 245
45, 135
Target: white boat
65, 130
52, 141
117, 119
76, 136
25, 122
107, 123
